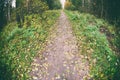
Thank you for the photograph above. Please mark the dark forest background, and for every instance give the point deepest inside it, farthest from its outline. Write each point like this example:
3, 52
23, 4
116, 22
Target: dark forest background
107, 9
24, 7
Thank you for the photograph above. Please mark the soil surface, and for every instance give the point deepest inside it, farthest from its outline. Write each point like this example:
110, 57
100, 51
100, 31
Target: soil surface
60, 60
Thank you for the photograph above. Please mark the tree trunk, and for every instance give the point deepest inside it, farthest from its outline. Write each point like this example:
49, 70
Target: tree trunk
9, 10
27, 5
102, 7
83, 3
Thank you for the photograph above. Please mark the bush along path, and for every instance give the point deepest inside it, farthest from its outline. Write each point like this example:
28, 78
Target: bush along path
60, 60
18, 46
95, 45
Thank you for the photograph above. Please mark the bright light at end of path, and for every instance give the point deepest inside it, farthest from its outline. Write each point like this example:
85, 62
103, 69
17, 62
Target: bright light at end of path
62, 2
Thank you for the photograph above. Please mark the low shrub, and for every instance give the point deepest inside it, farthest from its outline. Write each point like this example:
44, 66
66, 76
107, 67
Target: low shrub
18, 46
94, 45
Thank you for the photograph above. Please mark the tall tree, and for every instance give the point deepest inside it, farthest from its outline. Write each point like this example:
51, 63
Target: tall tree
108, 9
2, 12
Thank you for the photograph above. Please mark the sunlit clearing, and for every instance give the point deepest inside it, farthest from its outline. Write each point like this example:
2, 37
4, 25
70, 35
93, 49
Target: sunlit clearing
62, 2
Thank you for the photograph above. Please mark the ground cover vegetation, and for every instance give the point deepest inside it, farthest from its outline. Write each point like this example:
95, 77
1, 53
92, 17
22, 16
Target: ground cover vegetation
23, 33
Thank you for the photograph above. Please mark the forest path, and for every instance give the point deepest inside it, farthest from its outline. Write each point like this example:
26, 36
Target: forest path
60, 59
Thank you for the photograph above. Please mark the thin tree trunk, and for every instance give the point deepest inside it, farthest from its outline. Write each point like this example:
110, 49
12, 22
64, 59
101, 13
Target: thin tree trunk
88, 6
9, 18
27, 5
83, 3
102, 8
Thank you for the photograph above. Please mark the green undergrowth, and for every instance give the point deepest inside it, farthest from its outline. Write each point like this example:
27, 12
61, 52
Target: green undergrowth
18, 46
93, 42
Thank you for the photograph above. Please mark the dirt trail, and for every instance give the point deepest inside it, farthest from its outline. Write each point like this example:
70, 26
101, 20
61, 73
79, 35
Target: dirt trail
60, 60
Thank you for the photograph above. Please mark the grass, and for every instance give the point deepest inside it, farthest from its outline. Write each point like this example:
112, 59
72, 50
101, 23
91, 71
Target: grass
95, 45
18, 46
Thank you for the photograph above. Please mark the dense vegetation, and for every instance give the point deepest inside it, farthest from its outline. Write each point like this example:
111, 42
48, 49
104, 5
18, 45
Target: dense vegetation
9, 13
95, 46
107, 9
23, 32
20, 45
105, 45
54, 4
